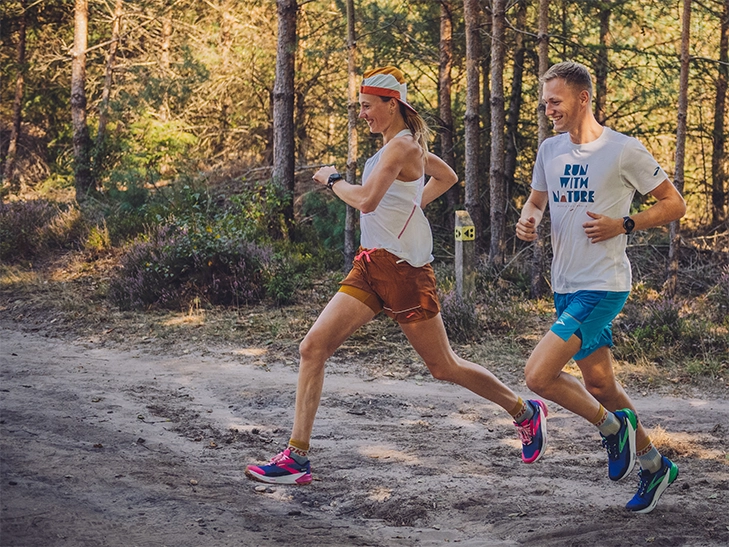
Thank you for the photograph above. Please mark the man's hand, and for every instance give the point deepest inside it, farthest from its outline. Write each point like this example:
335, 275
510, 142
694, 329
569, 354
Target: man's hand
602, 228
526, 229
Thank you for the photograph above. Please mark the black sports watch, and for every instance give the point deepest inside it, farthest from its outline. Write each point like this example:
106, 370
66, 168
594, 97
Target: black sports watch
628, 225
334, 177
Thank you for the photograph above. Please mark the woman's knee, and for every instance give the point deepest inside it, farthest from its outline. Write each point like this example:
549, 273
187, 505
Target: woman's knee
443, 371
313, 348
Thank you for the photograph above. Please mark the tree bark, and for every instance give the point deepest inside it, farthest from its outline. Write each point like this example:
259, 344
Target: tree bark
485, 113
538, 285
165, 62
473, 47
81, 140
601, 69
283, 106
496, 171
352, 112
512, 118
9, 181
445, 110
99, 150
719, 160
674, 251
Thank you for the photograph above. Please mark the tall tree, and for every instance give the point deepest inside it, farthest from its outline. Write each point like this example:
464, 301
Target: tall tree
445, 109
674, 250
8, 179
283, 106
538, 286
352, 95
515, 99
108, 80
81, 140
471, 16
601, 66
165, 62
719, 160
496, 171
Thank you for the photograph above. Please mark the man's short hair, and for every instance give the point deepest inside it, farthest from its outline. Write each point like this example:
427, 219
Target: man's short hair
574, 74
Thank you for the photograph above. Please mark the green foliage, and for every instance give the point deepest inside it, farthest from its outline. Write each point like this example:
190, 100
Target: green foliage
672, 333
326, 214
178, 264
291, 273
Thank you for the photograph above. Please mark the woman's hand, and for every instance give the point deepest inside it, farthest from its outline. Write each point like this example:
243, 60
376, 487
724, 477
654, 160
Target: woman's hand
322, 175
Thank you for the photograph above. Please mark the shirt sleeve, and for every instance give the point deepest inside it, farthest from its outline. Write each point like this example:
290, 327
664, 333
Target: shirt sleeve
539, 177
639, 169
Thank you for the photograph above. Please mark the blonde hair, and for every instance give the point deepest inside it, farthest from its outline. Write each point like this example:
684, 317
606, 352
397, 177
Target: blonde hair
418, 127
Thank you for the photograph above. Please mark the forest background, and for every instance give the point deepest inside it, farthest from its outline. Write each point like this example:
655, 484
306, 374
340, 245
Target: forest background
157, 155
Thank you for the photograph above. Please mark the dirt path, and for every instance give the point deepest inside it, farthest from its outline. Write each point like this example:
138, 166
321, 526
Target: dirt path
105, 447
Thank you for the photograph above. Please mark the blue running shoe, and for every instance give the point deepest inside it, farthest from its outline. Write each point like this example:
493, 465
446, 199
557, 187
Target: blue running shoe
652, 485
282, 469
621, 446
533, 432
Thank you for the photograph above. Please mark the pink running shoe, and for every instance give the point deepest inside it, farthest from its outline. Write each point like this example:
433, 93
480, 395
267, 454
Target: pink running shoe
533, 432
282, 469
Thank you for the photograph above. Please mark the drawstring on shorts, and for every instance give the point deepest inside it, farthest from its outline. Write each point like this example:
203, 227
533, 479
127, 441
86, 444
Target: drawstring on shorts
366, 253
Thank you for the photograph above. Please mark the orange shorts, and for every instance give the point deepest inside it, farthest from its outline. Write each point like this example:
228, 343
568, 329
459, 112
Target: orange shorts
403, 292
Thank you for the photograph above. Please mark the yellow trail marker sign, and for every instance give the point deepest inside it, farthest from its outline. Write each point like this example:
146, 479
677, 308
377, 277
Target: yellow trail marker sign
465, 233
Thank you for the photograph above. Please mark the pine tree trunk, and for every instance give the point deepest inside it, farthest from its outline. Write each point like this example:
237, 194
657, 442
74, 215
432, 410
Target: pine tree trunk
513, 115
283, 107
352, 112
674, 251
601, 69
99, 149
485, 113
719, 159
472, 200
496, 172
9, 181
165, 61
538, 285
81, 139
445, 82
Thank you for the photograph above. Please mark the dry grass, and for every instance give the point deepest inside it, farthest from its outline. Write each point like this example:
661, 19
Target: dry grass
66, 297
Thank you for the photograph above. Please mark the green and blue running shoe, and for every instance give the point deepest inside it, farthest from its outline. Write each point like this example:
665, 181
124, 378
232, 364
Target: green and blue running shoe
621, 446
652, 485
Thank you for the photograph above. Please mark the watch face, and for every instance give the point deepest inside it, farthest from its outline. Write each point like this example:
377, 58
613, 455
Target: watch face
628, 224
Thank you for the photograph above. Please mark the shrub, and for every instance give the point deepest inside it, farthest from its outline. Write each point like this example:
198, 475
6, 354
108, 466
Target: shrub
29, 228
459, 316
176, 265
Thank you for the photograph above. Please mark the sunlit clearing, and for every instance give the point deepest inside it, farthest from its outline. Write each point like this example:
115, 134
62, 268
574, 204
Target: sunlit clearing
687, 445
185, 320
385, 453
250, 352
380, 494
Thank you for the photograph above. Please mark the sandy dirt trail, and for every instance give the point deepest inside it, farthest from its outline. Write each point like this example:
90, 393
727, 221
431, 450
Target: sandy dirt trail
111, 447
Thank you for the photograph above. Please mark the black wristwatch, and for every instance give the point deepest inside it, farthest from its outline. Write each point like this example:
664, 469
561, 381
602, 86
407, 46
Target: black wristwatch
628, 225
334, 177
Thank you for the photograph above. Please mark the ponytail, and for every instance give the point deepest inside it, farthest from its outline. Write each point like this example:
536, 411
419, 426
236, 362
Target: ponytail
418, 127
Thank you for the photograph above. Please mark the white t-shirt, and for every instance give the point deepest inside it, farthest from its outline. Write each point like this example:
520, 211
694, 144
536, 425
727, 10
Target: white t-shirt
601, 177
398, 224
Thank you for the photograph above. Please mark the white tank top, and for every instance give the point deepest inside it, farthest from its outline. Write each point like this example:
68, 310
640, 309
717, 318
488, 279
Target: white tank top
398, 224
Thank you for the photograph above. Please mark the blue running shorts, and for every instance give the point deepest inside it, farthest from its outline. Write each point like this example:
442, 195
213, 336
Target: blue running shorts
589, 316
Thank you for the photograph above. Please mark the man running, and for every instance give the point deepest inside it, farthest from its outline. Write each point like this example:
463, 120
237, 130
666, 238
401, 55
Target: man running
589, 174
